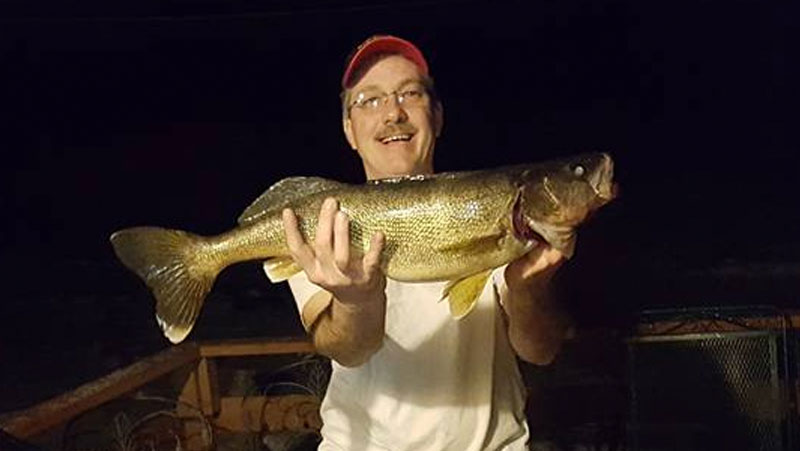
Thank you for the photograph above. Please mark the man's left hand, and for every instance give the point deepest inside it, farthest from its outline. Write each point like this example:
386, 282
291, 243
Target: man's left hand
537, 325
534, 268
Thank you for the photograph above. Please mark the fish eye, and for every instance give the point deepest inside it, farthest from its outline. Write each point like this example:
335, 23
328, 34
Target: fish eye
578, 170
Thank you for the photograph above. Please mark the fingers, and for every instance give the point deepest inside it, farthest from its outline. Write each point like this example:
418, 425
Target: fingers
325, 224
332, 243
341, 240
552, 256
372, 258
536, 266
300, 251
536, 253
327, 261
540, 264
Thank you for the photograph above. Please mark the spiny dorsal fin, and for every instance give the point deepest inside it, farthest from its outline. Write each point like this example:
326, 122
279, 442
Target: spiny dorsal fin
283, 193
400, 179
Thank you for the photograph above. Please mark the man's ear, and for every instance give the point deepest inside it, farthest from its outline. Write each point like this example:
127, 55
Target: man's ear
347, 126
438, 118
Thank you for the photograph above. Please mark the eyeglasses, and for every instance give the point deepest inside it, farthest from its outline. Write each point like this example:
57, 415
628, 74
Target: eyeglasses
370, 101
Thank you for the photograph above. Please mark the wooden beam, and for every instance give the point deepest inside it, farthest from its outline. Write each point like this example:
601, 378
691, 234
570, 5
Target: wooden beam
256, 347
41, 417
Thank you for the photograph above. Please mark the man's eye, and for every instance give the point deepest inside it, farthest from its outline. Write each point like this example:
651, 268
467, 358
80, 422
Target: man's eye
412, 94
372, 101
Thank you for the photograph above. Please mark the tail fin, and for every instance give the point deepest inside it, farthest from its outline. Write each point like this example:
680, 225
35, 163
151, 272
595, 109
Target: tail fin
177, 272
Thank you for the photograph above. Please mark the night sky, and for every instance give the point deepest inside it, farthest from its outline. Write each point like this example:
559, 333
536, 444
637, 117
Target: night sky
179, 113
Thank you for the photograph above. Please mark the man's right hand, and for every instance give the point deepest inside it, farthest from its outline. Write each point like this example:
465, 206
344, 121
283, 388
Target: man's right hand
351, 328
328, 261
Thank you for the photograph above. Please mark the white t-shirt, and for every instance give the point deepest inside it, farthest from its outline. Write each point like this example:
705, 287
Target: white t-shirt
436, 383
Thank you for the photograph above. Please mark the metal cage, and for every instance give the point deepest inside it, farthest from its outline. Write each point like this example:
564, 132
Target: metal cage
711, 379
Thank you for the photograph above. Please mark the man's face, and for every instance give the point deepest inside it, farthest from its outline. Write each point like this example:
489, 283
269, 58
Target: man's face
395, 138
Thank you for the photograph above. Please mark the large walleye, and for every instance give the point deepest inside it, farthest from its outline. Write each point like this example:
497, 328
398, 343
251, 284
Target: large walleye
455, 226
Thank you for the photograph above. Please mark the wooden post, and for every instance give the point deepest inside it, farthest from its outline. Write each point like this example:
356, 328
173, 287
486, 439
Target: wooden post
208, 385
199, 398
201, 389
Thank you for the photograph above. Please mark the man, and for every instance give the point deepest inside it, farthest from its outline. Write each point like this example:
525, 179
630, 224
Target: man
406, 376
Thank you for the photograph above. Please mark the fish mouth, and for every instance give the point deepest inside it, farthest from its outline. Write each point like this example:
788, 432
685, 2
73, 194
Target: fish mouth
603, 180
522, 227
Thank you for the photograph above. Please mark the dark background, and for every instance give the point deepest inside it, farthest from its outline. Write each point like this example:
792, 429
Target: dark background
179, 113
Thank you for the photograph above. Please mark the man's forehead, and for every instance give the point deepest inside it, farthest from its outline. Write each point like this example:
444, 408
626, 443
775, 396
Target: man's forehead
399, 85
390, 71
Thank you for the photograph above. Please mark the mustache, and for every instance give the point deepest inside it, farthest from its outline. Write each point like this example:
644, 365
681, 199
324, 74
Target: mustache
396, 129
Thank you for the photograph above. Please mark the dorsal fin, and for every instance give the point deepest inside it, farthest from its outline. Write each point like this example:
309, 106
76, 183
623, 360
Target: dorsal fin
399, 179
283, 193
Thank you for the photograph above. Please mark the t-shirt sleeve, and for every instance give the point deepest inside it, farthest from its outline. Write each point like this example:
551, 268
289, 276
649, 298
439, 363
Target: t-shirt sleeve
500, 286
311, 299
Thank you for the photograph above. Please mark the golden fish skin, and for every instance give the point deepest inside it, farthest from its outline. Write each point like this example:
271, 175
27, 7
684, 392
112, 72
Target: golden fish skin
447, 226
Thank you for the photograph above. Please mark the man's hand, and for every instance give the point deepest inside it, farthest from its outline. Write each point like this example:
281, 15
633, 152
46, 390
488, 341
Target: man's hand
537, 325
351, 327
328, 261
533, 269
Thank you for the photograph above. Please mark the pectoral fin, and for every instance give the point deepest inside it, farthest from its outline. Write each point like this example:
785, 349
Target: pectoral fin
473, 244
279, 269
463, 294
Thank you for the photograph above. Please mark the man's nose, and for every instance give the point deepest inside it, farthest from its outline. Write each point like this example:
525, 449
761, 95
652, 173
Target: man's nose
394, 111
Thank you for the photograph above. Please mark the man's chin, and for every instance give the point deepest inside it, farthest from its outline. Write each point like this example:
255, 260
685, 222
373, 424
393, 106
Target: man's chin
397, 146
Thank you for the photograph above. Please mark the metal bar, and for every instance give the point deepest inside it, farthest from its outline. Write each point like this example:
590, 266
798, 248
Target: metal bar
699, 336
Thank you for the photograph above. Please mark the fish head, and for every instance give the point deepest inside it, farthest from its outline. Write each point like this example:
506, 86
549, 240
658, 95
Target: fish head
555, 197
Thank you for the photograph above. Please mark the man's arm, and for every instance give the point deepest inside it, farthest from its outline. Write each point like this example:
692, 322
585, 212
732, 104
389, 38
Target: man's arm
350, 334
537, 325
351, 328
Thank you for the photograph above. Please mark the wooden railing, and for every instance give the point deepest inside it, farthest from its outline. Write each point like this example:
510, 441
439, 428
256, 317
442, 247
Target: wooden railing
200, 390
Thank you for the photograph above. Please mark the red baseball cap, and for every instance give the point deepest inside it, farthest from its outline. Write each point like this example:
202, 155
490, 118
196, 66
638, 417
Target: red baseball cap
382, 44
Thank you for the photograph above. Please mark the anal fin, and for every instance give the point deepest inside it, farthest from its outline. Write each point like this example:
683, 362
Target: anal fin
279, 269
462, 294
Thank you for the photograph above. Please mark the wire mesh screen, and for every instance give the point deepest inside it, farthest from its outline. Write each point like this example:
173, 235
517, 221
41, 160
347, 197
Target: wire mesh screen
707, 391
